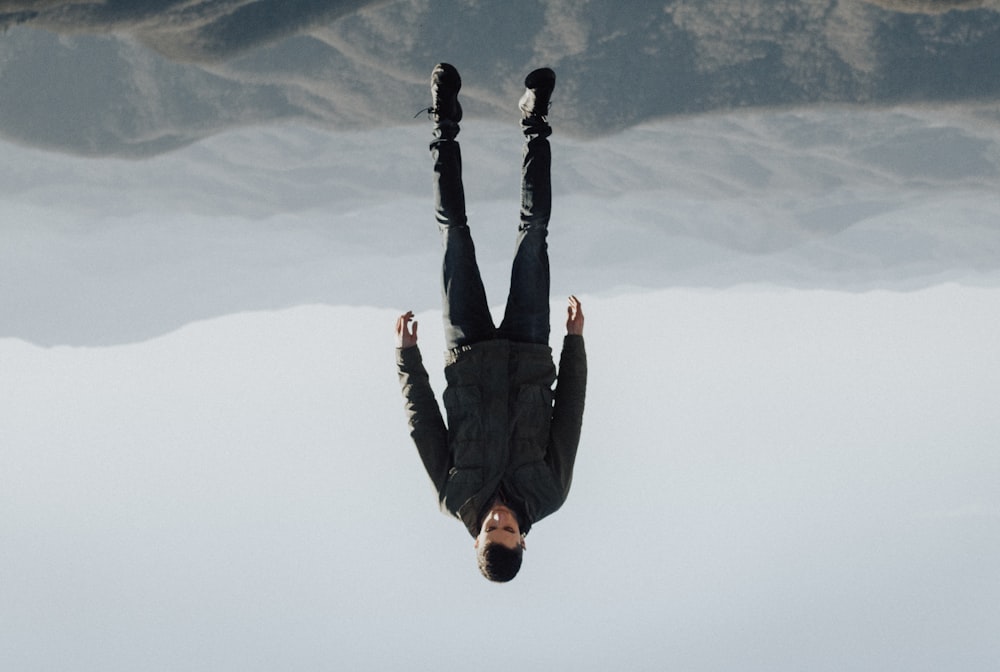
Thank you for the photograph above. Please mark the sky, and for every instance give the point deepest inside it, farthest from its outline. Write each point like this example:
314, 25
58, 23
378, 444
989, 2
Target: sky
788, 459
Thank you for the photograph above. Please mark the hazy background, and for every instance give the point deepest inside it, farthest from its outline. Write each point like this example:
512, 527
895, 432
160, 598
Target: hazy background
782, 219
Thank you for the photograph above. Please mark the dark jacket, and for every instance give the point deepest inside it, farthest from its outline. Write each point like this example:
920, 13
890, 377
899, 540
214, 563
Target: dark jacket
508, 433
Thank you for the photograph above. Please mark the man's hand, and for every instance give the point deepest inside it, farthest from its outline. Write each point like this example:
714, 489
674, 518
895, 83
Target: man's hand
574, 317
405, 336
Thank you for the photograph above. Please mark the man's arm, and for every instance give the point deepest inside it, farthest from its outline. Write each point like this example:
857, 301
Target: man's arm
427, 428
570, 395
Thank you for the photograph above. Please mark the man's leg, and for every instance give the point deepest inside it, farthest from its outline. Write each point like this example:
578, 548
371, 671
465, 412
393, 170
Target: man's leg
526, 318
466, 313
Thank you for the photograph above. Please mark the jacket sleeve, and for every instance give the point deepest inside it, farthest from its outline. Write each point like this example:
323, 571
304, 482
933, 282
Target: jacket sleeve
427, 428
567, 412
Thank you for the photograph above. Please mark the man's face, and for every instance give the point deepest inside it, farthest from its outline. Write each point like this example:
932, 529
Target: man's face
500, 526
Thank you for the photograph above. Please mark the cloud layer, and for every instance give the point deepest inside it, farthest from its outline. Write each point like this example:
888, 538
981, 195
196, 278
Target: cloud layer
111, 251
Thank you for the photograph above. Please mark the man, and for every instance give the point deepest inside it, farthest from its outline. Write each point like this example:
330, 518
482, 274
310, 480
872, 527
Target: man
505, 459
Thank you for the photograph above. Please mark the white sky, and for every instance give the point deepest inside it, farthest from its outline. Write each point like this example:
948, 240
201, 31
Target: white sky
770, 477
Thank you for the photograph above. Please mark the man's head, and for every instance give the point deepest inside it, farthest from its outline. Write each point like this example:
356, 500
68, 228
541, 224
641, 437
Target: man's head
500, 545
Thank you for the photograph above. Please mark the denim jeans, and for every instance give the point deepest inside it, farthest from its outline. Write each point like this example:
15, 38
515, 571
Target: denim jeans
467, 316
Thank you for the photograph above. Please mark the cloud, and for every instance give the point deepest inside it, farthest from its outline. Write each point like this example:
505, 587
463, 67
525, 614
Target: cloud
105, 251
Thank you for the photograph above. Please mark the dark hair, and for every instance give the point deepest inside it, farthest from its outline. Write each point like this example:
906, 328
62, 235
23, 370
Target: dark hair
498, 562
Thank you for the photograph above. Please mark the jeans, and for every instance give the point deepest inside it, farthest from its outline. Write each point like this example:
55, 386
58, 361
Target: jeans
467, 318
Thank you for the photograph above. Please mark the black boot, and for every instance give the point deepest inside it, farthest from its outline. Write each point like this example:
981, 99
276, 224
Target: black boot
538, 90
445, 84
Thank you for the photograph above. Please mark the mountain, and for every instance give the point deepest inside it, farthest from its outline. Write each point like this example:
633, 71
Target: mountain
137, 79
